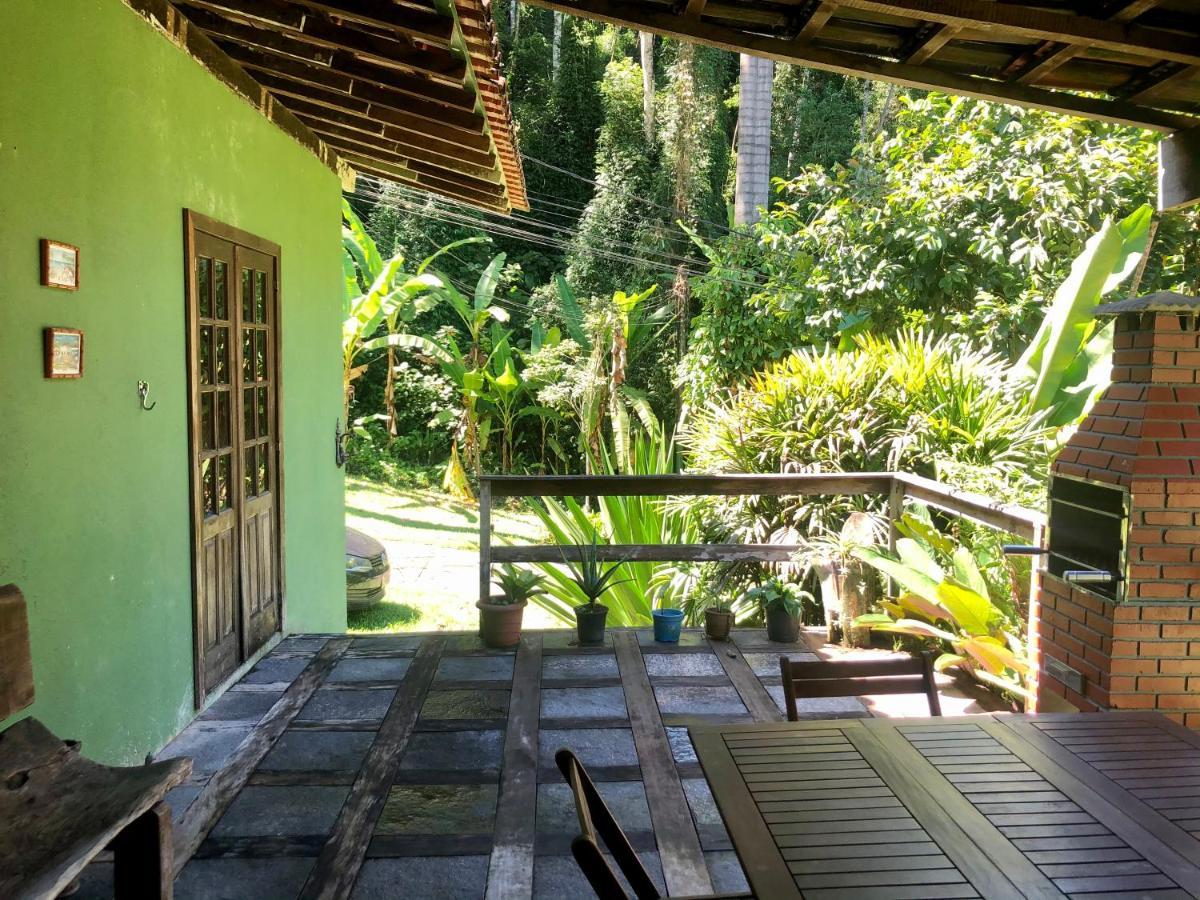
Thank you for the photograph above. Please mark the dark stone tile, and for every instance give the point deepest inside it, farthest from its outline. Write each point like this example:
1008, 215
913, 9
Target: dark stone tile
712, 701
599, 665
439, 809
559, 877
475, 668
303, 750
593, 746
687, 638
386, 643
626, 799
693, 665
819, 707
366, 669
207, 747
300, 644
458, 750
583, 703
681, 745
701, 802
263, 811
567, 638
766, 665
180, 798
237, 706
754, 640
329, 705
485, 704
428, 877
726, 872
272, 669
243, 879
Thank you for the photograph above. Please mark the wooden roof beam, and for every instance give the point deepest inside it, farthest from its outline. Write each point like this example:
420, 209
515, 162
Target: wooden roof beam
319, 40
403, 149
1146, 86
424, 25
810, 19
928, 40
1042, 25
371, 119
641, 16
342, 72
1030, 68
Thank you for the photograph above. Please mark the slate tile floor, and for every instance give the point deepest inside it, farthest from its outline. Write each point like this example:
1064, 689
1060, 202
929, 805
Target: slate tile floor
435, 832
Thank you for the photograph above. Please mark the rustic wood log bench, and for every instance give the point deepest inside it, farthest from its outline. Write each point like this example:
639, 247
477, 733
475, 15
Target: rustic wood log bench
58, 810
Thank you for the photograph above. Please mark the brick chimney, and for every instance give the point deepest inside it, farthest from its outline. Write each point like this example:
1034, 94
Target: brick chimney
1125, 503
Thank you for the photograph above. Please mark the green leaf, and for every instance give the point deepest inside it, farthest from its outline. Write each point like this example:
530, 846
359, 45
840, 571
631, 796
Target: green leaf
912, 580
485, 288
971, 612
966, 572
914, 556
572, 314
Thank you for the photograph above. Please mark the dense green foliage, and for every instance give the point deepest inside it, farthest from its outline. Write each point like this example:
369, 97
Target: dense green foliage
964, 216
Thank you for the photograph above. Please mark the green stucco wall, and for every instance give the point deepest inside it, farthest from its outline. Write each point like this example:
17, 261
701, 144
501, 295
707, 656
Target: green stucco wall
107, 132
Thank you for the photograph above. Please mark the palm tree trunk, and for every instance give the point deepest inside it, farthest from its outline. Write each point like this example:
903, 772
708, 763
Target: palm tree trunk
556, 45
646, 46
752, 190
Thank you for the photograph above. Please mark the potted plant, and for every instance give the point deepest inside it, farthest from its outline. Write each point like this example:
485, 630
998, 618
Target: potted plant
593, 580
782, 605
718, 619
500, 616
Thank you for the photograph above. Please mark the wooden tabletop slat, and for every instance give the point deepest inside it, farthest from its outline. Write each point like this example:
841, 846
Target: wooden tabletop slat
993, 806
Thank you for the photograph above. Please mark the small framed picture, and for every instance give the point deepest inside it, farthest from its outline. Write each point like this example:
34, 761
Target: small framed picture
64, 353
60, 265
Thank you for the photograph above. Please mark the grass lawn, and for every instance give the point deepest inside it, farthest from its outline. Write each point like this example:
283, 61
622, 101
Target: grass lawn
433, 546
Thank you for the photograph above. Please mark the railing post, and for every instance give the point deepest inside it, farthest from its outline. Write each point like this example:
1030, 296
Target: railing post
895, 510
485, 540
1033, 613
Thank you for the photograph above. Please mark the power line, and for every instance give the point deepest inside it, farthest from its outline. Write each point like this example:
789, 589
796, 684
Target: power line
662, 265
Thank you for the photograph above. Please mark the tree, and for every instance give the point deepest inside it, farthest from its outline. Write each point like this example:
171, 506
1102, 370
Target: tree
753, 139
646, 49
964, 218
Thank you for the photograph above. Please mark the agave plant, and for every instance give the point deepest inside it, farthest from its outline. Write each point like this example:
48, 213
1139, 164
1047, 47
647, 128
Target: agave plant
593, 577
952, 608
518, 585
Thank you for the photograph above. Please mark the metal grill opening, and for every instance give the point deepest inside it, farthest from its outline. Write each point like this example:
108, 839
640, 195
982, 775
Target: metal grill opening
1089, 526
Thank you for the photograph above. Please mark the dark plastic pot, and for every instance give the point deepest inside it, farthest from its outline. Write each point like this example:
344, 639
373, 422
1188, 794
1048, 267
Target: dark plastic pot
667, 625
589, 622
782, 626
717, 623
500, 623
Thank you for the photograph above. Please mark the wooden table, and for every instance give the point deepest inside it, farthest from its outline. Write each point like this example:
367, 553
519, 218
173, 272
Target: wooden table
1002, 806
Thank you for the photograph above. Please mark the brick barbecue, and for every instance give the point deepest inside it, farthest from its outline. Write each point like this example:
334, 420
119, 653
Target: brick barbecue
1116, 616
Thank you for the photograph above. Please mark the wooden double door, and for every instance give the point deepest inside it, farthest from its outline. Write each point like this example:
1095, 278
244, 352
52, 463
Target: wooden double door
233, 367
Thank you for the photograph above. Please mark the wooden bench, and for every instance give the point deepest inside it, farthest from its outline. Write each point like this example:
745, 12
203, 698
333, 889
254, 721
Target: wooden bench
59, 810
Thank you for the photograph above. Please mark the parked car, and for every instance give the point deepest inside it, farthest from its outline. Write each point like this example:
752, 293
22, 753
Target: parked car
367, 570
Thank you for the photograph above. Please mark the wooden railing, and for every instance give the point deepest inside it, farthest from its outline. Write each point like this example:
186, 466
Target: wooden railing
1026, 524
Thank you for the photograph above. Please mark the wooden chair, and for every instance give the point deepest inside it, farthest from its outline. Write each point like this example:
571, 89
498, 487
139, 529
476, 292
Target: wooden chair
856, 678
596, 822
59, 810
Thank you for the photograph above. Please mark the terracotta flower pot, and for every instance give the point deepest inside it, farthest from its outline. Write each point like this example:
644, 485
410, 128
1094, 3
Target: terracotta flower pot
717, 623
782, 627
589, 622
500, 622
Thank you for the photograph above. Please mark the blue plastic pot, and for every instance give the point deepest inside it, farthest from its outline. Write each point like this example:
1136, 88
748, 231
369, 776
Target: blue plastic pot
667, 623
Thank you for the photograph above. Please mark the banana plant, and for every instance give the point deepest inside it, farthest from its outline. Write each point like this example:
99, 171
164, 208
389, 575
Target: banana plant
375, 292
1068, 360
952, 607
612, 338
506, 391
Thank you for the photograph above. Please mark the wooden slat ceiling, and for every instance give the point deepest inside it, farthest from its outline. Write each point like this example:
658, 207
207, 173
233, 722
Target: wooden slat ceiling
1138, 60
406, 90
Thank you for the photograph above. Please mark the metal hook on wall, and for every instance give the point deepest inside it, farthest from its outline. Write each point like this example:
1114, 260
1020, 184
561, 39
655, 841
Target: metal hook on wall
143, 392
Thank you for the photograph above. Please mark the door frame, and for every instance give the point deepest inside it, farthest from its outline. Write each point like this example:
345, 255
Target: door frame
194, 222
